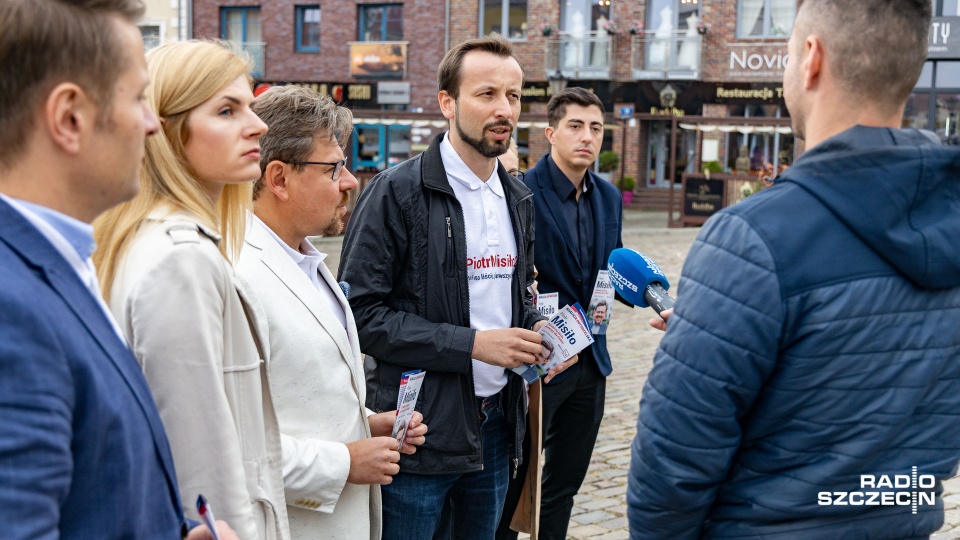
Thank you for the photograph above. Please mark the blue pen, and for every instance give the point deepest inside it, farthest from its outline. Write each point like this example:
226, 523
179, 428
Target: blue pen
206, 514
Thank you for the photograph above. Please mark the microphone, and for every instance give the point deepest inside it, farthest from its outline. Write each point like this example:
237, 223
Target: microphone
639, 280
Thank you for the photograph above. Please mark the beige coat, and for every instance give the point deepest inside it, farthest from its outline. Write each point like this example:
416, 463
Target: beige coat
186, 319
317, 377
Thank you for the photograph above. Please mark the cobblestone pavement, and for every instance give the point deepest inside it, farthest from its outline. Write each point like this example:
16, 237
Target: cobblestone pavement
600, 507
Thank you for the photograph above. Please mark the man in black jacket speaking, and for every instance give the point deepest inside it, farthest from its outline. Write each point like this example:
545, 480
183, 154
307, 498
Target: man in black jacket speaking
438, 256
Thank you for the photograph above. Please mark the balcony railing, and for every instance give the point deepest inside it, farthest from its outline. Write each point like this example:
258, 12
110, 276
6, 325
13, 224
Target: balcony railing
666, 57
584, 55
257, 52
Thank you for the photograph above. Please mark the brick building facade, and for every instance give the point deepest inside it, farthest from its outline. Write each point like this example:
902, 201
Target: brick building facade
702, 77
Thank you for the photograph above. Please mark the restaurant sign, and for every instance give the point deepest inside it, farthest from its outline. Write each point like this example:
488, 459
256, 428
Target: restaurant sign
757, 60
354, 95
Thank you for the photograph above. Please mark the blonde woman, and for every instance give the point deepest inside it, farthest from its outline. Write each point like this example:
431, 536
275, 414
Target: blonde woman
165, 268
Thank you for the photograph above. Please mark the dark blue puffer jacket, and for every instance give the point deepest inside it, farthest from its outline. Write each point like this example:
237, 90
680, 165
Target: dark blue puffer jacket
816, 339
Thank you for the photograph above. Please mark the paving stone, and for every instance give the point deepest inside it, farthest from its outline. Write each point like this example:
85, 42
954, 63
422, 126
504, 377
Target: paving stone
584, 531
598, 504
615, 524
591, 517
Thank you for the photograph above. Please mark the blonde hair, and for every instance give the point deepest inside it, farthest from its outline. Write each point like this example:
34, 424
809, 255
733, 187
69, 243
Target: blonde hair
183, 75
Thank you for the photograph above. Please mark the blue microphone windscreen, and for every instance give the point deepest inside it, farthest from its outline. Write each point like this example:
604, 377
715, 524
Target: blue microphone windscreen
631, 272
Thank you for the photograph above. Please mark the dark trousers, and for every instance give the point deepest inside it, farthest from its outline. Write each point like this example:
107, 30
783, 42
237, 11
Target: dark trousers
572, 411
453, 506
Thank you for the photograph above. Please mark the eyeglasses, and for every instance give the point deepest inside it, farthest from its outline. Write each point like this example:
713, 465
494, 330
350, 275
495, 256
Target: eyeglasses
337, 165
518, 174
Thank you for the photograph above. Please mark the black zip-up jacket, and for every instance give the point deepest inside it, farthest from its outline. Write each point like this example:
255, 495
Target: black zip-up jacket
404, 257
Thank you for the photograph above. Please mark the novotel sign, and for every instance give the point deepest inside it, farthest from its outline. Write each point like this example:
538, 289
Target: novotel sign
757, 61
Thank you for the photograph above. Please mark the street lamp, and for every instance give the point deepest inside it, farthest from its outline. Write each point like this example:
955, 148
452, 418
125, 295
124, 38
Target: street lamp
558, 83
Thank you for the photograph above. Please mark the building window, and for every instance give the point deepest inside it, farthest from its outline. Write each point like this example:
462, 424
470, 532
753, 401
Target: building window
765, 18
241, 26
380, 22
308, 28
151, 36
497, 15
946, 8
675, 43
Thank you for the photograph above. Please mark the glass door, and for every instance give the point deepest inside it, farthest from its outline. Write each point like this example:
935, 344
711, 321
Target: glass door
658, 154
369, 148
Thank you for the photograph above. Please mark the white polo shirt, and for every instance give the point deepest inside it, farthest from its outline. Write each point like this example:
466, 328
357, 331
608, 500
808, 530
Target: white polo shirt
491, 257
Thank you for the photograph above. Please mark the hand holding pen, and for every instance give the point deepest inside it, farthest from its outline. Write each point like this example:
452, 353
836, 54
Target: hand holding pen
211, 528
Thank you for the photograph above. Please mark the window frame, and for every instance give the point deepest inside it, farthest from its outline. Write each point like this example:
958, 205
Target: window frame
504, 19
362, 20
767, 22
152, 23
244, 10
259, 67
299, 12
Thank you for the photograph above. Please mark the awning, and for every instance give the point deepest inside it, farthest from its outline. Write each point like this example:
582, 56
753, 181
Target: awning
727, 128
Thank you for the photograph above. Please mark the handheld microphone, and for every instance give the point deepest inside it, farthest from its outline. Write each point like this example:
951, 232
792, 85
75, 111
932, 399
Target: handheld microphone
639, 280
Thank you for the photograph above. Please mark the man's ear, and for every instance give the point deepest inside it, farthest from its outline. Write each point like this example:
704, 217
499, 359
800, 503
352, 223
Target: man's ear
813, 59
275, 179
549, 132
448, 105
68, 113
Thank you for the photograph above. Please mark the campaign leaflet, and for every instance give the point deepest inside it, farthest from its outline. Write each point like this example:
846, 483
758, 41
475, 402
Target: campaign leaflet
564, 335
547, 303
406, 401
601, 304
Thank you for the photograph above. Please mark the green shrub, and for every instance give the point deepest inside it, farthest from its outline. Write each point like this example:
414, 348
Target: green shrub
713, 167
627, 183
609, 161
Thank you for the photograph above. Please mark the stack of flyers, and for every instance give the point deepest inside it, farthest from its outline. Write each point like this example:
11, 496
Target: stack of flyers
406, 401
565, 335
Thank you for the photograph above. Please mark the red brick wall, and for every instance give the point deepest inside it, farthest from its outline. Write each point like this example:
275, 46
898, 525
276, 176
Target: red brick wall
423, 27
722, 18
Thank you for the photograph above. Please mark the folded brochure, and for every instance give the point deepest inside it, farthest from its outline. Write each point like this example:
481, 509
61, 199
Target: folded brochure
564, 335
406, 401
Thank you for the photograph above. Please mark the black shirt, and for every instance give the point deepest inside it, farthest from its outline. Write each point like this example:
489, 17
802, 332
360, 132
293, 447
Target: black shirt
579, 220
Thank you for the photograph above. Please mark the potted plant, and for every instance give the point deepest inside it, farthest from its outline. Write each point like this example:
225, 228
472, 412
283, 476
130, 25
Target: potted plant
712, 167
636, 28
703, 27
609, 161
547, 29
611, 28
627, 184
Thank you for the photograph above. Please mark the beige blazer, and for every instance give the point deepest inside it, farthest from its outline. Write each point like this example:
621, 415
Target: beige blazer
316, 372
185, 317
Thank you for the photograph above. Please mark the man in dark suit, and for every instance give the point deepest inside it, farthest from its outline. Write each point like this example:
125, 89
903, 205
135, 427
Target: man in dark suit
578, 224
83, 453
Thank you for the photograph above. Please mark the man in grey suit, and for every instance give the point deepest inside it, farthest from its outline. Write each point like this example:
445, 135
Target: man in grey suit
335, 452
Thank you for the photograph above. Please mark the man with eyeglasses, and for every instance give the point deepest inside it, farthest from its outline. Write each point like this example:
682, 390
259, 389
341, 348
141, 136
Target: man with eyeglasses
336, 453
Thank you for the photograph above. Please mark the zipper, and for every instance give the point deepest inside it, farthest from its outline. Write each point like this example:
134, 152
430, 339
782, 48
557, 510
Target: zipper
449, 228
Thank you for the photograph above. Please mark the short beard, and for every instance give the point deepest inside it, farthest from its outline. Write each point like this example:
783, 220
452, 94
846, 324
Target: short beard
335, 227
484, 147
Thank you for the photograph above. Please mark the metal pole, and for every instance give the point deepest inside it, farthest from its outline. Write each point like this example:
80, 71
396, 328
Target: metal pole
623, 150
673, 164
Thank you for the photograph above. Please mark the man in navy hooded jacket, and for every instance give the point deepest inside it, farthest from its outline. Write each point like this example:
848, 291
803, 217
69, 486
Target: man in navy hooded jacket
814, 357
